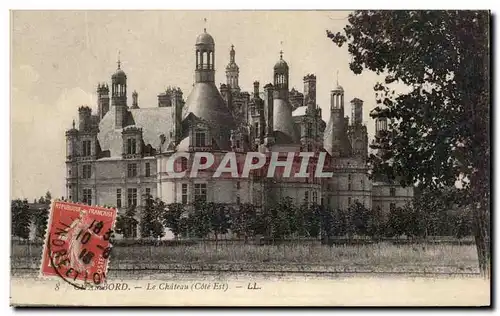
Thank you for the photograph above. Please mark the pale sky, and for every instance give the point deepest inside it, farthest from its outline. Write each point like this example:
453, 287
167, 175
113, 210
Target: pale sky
58, 57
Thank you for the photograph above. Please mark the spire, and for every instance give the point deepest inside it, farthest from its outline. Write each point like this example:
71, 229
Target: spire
231, 55
281, 54
205, 28
119, 62
73, 124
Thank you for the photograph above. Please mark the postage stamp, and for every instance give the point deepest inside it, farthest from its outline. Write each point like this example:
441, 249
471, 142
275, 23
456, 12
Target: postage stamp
78, 243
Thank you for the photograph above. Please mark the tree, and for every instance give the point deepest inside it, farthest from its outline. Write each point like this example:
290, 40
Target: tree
359, 218
312, 221
438, 131
200, 219
48, 197
151, 220
220, 220
244, 220
172, 218
126, 224
40, 219
375, 227
283, 219
328, 223
21, 219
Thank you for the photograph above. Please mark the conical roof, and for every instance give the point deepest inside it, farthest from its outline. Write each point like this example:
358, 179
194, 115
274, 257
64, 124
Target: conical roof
205, 102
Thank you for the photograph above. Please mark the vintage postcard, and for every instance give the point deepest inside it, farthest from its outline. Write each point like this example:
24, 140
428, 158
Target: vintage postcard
250, 158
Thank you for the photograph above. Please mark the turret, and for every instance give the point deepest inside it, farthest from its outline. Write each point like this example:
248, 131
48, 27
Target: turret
119, 96
205, 58
281, 79
336, 141
232, 72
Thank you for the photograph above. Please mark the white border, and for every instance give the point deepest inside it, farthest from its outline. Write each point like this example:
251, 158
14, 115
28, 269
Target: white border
186, 4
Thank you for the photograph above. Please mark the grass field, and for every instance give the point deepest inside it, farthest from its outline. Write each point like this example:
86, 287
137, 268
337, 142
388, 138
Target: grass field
381, 255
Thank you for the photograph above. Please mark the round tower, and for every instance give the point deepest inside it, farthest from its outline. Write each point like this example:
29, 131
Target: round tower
281, 72
205, 58
119, 95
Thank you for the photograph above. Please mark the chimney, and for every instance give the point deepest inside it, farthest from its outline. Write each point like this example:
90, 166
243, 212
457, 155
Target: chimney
102, 100
135, 104
310, 90
268, 109
256, 89
357, 111
84, 113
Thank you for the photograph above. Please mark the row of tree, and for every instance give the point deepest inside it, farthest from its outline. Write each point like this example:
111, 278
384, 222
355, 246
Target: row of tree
22, 216
287, 220
429, 215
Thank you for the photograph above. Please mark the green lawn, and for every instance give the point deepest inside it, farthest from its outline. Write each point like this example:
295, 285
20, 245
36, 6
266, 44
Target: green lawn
380, 255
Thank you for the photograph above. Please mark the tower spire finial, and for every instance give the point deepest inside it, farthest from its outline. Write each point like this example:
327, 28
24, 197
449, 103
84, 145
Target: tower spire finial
337, 77
205, 28
281, 50
73, 124
119, 62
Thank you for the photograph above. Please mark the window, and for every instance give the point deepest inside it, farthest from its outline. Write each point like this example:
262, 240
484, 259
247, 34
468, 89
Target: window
148, 169
349, 201
184, 193
200, 191
238, 186
306, 197
349, 186
148, 192
362, 184
238, 200
256, 127
238, 144
87, 196
392, 191
309, 148
132, 197
131, 146
200, 139
119, 198
87, 171
184, 163
392, 206
349, 177
132, 170
309, 130
315, 197
86, 148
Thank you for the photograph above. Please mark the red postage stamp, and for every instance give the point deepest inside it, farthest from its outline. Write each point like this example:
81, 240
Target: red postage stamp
78, 243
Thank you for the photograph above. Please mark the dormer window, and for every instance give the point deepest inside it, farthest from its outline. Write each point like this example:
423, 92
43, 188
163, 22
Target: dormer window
131, 148
200, 140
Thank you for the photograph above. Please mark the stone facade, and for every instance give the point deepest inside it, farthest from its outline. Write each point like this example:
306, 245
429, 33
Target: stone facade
119, 154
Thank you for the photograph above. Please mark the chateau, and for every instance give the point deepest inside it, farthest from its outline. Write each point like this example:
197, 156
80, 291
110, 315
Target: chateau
117, 155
